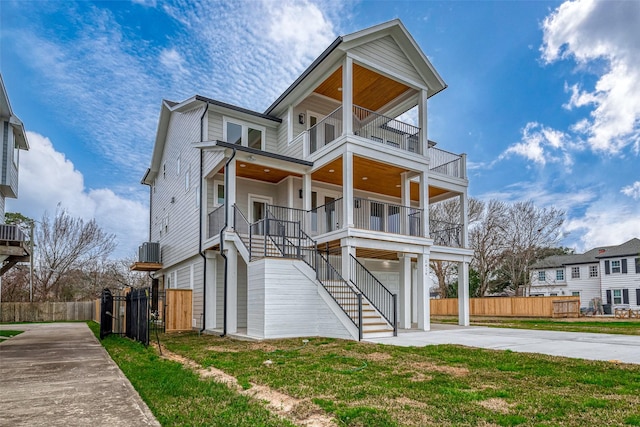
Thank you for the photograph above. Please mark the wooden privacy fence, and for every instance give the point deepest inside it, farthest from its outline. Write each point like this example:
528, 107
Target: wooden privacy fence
46, 311
557, 306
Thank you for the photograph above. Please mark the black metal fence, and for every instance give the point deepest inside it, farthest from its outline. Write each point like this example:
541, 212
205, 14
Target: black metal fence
126, 315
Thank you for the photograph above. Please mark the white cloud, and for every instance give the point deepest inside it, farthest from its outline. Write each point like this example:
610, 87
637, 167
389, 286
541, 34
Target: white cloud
591, 32
174, 62
632, 190
146, 3
542, 144
47, 178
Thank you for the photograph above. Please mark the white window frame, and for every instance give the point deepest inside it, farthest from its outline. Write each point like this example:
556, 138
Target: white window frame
560, 275
244, 141
216, 184
575, 272
593, 271
256, 198
542, 276
614, 268
613, 296
575, 293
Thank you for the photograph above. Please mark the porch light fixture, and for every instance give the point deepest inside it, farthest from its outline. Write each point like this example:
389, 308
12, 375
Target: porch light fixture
242, 165
301, 118
251, 158
331, 171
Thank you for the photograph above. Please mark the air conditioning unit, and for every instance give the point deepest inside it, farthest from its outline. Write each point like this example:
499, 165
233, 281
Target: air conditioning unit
149, 252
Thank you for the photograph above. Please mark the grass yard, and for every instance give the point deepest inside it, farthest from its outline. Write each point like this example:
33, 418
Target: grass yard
595, 325
360, 384
8, 333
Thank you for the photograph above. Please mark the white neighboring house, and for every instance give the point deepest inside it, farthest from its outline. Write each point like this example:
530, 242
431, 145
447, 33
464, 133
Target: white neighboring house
312, 217
13, 248
611, 273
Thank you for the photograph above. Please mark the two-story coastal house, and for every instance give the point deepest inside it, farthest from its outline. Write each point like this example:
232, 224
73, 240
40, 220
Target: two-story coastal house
312, 217
13, 247
611, 273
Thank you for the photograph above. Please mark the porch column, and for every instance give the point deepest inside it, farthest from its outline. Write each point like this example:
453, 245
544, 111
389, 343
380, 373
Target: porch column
230, 190
424, 307
463, 293
405, 194
306, 191
404, 297
212, 290
422, 120
347, 188
232, 287
347, 251
347, 96
464, 220
424, 202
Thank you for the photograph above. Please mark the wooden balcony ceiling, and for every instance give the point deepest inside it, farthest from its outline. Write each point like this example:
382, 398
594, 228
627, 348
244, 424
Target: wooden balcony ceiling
380, 178
145, 266
260, 172
370, 89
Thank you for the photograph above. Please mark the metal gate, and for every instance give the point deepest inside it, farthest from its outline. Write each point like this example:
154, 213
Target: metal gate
126, 315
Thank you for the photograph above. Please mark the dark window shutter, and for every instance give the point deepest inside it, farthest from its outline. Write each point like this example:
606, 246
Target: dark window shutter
638, 296
607, 270
624, 265
608, 296
625, 296
637, 265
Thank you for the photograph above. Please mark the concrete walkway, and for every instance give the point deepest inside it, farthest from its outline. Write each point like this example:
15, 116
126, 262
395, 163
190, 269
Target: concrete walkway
58, 374
607, 347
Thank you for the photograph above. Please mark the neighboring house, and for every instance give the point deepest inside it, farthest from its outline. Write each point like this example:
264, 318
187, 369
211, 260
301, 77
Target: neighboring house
611, 273
13, 247
311, 218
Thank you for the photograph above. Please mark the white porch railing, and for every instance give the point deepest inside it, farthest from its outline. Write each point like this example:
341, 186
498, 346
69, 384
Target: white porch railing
446, 163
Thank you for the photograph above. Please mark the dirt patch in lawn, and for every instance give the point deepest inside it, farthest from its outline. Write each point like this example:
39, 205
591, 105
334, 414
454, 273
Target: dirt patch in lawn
377, 357
221, 349
430, 367
301, 412
496, 404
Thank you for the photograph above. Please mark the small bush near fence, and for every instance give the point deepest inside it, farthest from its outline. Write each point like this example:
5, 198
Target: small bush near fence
46, 311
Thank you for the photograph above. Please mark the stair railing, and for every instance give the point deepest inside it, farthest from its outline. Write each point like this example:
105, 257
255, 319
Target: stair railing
378, 295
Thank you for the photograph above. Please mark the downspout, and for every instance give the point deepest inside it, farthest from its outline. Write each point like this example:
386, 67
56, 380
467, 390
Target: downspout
204, 258
226, 224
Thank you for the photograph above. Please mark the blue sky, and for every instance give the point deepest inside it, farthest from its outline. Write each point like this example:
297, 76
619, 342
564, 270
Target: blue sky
544, 97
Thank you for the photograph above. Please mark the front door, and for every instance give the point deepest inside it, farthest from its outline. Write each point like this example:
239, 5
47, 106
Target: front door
258, 212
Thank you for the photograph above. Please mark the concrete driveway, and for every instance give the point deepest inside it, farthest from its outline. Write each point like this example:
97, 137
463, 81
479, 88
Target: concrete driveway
58, 374
607, 347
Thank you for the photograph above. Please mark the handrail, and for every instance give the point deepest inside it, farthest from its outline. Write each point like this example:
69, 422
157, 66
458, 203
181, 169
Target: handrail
387, 217
12, 233
446, 233
378, 295
242, 228
444, 162
386, 130
215, 221
326, 130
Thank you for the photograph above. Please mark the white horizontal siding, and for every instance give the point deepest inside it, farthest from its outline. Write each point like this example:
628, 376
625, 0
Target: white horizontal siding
386, 52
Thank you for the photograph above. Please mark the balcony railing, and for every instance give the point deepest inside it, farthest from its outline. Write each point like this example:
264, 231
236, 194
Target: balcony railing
446, 163
446, 233
387, 217
215, 221
386, 130
11, 233
366, 124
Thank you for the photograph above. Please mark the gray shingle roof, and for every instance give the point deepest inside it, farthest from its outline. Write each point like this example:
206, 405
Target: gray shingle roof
630, 248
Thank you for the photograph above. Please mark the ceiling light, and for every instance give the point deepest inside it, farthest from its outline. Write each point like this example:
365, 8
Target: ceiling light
397, 185
331, 170
267, 170
242, 165
364, 178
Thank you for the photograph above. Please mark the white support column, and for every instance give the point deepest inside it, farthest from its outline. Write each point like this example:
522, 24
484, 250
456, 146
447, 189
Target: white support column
232, 287
424, 202
212, 290
230, 192
404, 296
422, 120
405, 195
347, 251
347, 96
463, 293
464, 220
306, 191
424, 283
347, 188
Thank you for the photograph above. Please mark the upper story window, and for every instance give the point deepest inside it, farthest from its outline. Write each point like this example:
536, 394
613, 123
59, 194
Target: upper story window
242, 133
615, 266
560, 275
541, 276
593, 271
575, 272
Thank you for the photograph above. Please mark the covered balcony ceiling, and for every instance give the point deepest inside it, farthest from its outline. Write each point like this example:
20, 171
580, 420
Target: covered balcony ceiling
370, 175
245, 169
370, 89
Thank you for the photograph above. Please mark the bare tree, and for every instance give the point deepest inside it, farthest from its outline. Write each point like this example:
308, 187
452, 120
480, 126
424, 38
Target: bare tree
528, 230
65, 247
489, 241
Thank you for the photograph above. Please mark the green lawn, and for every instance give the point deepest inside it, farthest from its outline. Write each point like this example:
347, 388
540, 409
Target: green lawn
8, 333
606, 326
360, 384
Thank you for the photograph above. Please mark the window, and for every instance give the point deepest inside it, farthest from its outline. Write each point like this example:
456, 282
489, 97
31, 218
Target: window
218, 193
541, 276
560, 275
638, 267
245, 134
593, 271
617, 296
575, 294
575, 272
615, 266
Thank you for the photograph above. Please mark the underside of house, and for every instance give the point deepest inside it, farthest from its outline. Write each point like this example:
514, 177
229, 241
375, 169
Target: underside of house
312, 218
